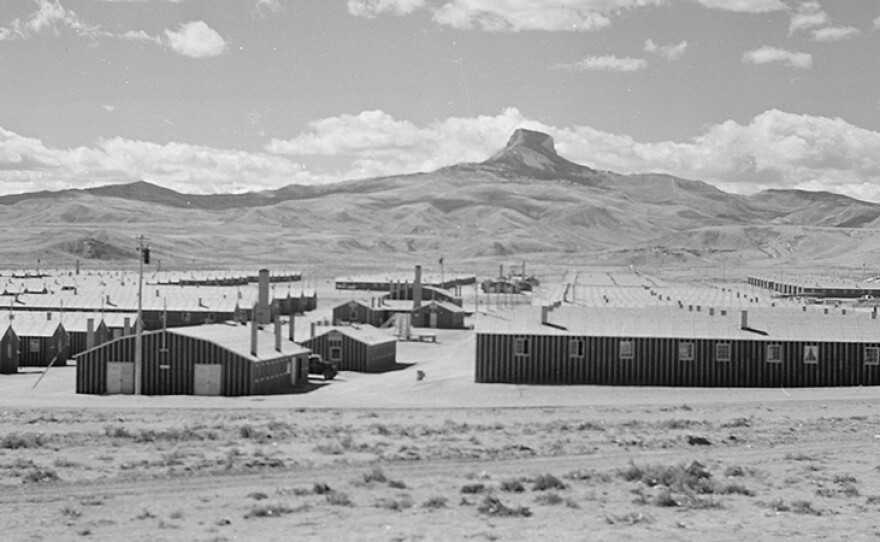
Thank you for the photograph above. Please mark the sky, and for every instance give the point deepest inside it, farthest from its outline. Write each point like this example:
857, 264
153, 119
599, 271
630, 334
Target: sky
207, 96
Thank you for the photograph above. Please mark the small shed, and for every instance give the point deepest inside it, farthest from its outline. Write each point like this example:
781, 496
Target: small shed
9, 351
43, 341
217, 359
358, 311
363, 348
438, 314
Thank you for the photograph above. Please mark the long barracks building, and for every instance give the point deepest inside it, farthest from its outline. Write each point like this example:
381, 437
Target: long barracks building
670, 346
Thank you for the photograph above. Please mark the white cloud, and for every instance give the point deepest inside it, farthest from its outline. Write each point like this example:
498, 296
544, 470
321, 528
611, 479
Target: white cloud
140, 35
263, 7
513, 16
877, 23
808, 15
50, 17
745, 6
835, 33
372, 8
548, 15
766, 55
669, 52
377, 144
196, 40
109, 108
604, 63
27, 164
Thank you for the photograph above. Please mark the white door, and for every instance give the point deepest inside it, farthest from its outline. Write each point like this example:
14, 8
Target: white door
120, 377
207, 379
432, 320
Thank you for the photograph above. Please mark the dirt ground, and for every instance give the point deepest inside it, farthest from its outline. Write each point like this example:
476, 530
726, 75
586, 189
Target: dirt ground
392, 457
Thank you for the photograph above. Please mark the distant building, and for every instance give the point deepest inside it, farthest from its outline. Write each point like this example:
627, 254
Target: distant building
365, 348
42, 339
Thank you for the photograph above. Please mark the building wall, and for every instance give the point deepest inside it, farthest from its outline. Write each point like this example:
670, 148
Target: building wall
40, 351
168, 366
656, 362
446, 319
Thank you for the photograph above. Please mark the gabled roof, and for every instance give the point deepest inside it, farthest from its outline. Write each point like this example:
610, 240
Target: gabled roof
32, 324
237, 338
764, 324
362, 333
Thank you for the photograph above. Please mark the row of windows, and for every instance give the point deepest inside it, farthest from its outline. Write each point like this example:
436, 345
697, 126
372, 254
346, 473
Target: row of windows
686, 351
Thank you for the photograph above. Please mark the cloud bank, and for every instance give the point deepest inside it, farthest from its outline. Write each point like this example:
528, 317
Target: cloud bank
773, 150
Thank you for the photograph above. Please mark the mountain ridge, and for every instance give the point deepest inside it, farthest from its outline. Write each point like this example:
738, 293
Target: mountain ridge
525, 198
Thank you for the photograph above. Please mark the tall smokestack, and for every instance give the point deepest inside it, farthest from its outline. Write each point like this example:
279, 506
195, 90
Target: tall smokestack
90, 333
417, 288
744, 320
126, 326
501, 271
262, 313
292, 324
254, 334
278, 334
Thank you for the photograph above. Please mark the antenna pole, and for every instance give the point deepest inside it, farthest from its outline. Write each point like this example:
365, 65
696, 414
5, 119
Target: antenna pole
139, 326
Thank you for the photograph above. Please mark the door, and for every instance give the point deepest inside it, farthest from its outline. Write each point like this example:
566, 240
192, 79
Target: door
207, 379
120, 377
432, 319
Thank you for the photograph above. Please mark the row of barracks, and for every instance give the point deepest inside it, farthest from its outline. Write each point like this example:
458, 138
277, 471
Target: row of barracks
668, 346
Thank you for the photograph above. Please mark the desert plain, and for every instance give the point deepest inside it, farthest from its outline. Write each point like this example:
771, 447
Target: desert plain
394, 457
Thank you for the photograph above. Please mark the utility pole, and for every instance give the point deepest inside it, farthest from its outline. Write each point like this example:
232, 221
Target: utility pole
139, 325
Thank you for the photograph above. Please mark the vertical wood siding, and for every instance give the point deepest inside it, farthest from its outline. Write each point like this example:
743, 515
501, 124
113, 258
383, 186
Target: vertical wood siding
550, 360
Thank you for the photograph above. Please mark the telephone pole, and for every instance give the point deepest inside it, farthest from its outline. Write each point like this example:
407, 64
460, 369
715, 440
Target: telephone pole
139, 326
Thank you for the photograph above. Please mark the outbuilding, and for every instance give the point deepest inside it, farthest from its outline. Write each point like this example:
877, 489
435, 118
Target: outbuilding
8, 351
362, 348
217, 359
42, 340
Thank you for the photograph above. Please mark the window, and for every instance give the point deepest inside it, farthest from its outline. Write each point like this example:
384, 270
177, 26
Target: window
686, 351
336, 353
521, 346
626, 349
722, 352
34, 345
576, 348
811, 354
774, 353
352, 312
872, 355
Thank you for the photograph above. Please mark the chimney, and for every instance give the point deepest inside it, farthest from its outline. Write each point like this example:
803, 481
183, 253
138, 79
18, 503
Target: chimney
744, 320
292, 324
126, 326
545, 314
711, 311
262, 312
90, 333
254, 333
417, 288
874, 313
312, 331
278, 334
48, 315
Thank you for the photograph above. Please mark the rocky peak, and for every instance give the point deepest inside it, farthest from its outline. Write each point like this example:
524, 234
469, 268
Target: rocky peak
536, 141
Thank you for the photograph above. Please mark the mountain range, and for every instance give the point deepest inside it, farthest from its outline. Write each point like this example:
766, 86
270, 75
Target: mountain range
523, 202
